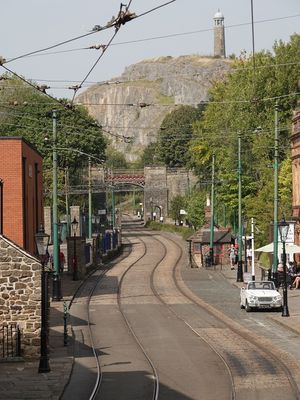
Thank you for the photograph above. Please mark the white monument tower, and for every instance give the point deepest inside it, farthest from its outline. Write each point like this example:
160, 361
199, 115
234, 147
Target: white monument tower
219, 35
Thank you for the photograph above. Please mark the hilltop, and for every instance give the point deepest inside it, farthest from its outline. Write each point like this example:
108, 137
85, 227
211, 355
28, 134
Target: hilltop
136, 103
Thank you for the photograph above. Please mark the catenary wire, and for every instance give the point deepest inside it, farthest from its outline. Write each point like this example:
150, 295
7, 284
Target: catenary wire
151, 38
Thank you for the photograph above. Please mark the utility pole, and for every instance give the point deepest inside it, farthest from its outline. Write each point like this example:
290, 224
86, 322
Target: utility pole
252, 250
67, 199
113, 210
56, 292
212, 198
275, 219
90, 198
239, 277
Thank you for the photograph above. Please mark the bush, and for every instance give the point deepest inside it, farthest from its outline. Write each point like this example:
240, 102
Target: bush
183, 231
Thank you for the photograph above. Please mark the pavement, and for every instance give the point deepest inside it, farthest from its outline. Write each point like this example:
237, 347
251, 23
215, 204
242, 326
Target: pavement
292, 322
21, 380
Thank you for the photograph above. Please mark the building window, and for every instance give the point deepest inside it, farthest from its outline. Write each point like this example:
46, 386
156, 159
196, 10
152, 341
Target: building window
196, 248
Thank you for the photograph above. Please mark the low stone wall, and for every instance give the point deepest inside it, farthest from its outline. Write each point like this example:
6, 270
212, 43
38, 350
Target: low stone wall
20, 294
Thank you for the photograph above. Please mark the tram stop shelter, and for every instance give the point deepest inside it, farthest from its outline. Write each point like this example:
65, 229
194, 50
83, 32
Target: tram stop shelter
199, 245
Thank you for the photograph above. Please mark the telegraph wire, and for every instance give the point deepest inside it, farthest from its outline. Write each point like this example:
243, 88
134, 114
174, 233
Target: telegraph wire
122, 18
115, 23
146, 39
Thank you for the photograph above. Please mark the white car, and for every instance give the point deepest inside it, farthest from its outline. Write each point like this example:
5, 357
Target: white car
260, 294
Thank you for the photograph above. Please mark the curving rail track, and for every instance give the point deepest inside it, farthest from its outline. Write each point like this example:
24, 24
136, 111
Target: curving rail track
145, 335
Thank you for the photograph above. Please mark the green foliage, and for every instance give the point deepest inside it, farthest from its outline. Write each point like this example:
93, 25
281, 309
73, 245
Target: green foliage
149, 156
175, 134
28, 113
183, 231
195, 203
244, 102
115, 159
176, 204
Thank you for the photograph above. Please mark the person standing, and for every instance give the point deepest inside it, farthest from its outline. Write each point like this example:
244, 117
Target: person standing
232, 256
61, 261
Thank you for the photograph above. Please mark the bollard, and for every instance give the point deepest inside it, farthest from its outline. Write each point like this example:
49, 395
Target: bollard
65, 324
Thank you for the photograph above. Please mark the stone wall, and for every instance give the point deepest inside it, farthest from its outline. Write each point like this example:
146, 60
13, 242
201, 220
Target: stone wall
155, 192
20, 294
162, 185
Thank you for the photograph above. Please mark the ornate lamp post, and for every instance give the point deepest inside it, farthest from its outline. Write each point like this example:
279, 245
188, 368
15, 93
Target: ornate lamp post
74, 225
42, 242
284, 229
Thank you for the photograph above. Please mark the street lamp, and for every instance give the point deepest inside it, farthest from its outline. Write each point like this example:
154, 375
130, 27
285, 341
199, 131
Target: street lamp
42, 242
74, 225
284, 229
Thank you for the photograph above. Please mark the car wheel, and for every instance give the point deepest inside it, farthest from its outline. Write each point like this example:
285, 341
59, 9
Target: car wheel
247, 307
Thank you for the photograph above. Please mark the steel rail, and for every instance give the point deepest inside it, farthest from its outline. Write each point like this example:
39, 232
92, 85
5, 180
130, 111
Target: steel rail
233, 395
155, 373
78, 291
275, 359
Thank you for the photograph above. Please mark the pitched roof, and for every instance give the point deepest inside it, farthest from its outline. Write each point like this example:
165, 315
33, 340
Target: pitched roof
203, 236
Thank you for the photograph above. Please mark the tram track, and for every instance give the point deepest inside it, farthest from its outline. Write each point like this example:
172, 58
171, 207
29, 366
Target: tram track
86, 291
245, 371
252, 363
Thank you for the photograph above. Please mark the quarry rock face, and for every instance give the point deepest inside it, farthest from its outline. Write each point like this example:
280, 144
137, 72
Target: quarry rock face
135, 104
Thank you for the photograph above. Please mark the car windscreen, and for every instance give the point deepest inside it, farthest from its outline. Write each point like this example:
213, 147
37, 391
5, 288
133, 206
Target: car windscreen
261, 286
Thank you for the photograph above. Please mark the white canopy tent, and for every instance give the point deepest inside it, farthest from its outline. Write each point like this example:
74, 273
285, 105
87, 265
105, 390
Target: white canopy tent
290, 248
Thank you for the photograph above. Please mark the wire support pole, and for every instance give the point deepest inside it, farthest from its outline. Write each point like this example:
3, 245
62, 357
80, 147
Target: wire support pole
56, 289
275, 218
211, 238
239, 277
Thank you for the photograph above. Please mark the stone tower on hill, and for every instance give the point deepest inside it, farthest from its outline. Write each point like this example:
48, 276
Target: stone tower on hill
219, 35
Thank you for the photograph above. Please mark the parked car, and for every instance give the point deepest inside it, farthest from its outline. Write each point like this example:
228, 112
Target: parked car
260, 294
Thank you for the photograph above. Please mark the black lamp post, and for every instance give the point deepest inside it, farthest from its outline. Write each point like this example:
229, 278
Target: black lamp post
42, 242
74, 225
245, 242
284, 229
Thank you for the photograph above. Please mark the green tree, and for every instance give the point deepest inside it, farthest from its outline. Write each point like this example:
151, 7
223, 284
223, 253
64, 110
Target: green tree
175, 134
244, 103
176, 204
115, 159
149, 156
28, 113
195, 203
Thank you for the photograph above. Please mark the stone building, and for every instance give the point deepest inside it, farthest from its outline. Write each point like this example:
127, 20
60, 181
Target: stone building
199, 243
219, 35
20, 294
21, 191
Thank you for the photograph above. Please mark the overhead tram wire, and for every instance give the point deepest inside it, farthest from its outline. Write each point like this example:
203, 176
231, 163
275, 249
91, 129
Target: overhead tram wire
241, 101
122, 18
99, 29
35, 53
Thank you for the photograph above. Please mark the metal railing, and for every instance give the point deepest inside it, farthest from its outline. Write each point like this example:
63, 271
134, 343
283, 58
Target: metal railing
10, 341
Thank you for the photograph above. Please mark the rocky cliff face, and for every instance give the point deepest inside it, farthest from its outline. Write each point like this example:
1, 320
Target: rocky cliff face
135, 104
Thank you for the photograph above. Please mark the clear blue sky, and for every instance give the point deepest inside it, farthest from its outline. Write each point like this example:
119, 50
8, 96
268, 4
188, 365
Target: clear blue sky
33, 24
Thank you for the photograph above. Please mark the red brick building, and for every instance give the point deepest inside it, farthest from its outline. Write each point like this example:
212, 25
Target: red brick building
21, 191
295, 145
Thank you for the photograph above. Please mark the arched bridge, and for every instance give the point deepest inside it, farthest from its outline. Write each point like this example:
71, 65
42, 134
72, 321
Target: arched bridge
126, 177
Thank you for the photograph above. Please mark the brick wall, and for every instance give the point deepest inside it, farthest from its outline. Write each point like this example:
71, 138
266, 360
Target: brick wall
20, 294
21, 172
